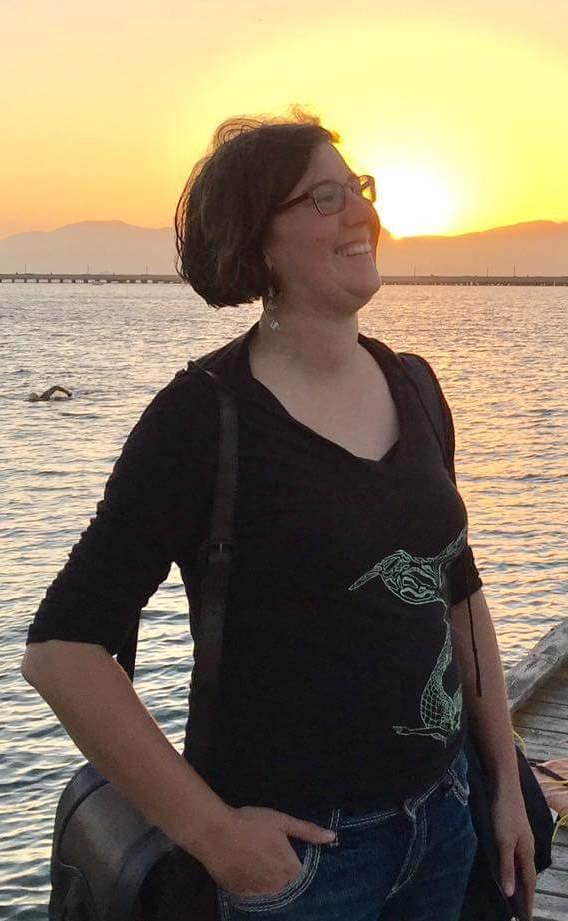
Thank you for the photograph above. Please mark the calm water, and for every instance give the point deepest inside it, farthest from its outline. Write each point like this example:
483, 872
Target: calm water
502, 357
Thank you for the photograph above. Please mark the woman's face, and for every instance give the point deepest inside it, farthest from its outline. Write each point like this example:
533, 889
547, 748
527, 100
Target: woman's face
306, 249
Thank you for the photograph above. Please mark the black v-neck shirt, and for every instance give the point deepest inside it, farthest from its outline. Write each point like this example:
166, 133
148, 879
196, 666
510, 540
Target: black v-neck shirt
339, 683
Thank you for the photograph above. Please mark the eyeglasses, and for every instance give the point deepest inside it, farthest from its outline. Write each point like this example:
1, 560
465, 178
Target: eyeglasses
329, 196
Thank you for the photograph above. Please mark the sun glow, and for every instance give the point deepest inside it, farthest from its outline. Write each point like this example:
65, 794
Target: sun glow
414, 200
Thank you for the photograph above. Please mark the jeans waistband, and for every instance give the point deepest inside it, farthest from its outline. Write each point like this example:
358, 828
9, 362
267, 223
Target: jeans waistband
339, 818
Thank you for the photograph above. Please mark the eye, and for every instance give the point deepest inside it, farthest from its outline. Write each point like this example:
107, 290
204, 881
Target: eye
326, 193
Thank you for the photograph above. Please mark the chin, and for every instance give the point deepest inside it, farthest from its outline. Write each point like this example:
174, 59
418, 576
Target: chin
371, 288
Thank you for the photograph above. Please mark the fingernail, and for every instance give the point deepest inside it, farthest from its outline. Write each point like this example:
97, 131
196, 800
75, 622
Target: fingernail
509, 889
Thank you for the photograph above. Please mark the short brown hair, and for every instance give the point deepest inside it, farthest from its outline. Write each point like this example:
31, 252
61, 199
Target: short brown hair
224, 210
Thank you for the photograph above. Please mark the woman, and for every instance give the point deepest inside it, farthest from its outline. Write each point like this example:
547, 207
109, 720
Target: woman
338, 789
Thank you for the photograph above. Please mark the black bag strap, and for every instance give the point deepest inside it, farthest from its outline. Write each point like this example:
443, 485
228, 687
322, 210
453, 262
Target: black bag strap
217, 554
428, 392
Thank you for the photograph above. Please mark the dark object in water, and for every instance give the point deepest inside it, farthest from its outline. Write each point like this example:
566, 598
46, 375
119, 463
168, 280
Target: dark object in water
47, 394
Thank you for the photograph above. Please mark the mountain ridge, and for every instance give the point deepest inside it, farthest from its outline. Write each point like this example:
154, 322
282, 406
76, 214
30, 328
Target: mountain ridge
526, 248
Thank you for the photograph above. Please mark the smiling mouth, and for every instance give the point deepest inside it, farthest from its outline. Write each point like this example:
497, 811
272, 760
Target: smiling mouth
354, 249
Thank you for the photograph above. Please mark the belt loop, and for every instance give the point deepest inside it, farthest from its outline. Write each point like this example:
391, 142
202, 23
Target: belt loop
334, 825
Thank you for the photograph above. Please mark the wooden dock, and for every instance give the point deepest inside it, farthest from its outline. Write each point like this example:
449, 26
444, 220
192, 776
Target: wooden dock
538, 695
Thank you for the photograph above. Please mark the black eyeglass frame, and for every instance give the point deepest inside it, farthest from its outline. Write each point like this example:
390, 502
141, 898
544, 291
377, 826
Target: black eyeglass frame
365, 181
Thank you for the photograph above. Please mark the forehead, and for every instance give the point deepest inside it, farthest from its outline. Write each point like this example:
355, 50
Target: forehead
326, 163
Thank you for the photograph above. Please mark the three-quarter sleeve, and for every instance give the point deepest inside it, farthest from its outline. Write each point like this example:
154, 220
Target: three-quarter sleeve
154, 511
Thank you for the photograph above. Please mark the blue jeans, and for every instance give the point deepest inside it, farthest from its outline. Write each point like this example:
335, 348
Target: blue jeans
408, 863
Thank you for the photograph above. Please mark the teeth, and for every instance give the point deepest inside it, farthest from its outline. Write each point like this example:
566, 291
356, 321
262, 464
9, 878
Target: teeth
356, 249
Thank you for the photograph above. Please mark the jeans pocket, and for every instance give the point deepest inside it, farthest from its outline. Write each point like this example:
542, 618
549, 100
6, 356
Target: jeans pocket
458, 776
309, 856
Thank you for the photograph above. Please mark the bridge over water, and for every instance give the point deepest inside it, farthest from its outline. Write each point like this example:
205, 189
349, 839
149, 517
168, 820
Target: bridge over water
127, 279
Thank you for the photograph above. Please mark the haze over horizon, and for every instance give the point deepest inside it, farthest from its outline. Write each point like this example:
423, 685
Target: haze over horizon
454, 108
170, 227
535, 248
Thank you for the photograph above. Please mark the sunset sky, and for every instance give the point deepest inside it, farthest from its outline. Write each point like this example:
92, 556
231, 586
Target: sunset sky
458, 108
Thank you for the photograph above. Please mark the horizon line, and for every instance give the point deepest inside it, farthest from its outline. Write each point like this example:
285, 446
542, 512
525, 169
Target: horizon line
392, 234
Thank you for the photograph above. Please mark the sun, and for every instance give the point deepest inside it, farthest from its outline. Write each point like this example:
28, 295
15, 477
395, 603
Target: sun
413, 200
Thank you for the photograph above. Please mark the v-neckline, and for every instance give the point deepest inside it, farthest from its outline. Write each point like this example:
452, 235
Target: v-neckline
382, 355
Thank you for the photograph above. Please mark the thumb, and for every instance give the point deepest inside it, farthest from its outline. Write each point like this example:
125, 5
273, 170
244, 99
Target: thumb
307, 831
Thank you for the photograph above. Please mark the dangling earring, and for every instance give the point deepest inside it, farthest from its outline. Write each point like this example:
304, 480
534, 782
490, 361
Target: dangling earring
270, 307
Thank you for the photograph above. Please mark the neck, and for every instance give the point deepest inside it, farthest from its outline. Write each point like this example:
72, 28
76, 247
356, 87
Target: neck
315, 346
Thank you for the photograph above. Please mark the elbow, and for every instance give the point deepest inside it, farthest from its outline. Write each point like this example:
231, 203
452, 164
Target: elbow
27, 668
33, 665
57, 663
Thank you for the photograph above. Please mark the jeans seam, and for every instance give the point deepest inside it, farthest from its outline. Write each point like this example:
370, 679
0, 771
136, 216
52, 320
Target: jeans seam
382, 814
372, 819
290, 894
334, 826
420, 846
458, 789
224, 906
399, 881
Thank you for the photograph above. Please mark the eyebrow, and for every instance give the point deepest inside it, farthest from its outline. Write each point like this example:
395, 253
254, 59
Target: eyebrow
350, 175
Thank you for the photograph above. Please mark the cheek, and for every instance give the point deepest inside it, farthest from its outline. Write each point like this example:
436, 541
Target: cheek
308, 254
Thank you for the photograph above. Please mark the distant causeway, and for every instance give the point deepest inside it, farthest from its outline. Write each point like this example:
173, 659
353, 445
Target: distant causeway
144, 279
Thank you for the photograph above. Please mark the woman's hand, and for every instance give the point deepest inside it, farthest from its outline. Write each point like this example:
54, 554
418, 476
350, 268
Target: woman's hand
515, 843
252, 854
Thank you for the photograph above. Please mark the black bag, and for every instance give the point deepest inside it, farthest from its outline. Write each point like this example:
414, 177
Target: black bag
484, 899
484, 896
104, 852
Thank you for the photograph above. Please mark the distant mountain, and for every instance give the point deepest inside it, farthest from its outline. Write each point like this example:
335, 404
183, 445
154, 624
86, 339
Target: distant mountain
536, 248
93, 246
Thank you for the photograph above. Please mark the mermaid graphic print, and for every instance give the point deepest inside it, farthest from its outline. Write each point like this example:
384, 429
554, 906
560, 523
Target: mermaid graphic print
422, 580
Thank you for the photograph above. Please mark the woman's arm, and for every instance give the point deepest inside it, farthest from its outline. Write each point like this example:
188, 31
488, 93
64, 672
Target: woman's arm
246, 850
94, 699
488, 715
490, 724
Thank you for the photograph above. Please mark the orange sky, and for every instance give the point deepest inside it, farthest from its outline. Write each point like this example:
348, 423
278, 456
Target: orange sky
457, 108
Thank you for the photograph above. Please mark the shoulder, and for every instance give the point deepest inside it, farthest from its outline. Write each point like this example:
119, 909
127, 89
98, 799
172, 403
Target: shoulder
409, 363
188, 397
191, 389
187, 408
412, 360
423, 376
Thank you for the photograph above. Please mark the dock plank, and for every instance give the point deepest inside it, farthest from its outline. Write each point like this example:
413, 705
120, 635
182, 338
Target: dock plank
554, 695
546, 707
543, 746
550, 908
545, 662
554, 881
559, 859
554, 686
555, 724
538, 695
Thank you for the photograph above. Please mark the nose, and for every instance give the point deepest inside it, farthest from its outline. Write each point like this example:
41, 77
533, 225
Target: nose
359, 210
